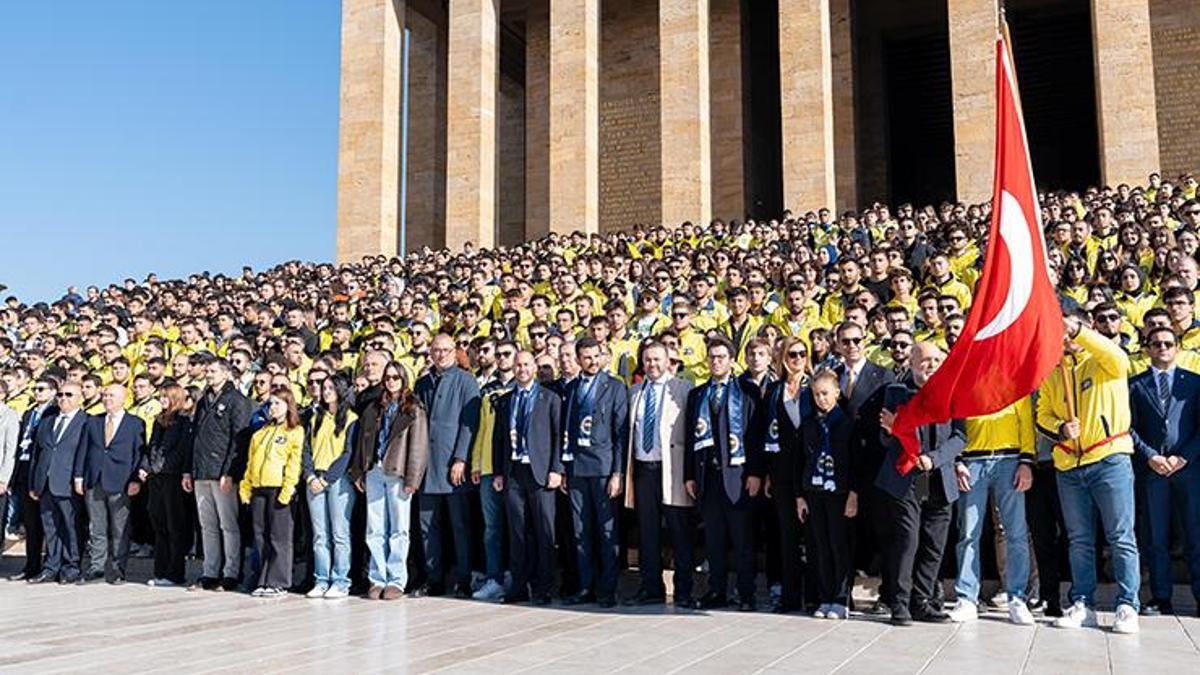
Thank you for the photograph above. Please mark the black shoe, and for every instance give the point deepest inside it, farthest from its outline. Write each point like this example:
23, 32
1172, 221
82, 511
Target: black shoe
784, 608
514, 598
746, 606
901, 616
228, 584
462, 592
118, 580
1157, 608
930, 613
687, 603
21, 576
713, 601
880, 609
607, 602
580, 598
93, 575
70, 580
43, 578
1053, 609
644, 598
541, 601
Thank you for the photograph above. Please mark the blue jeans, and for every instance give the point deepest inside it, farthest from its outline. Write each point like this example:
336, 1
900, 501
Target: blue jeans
389, 512
995, 477
493, 528
330, 513
1105, 486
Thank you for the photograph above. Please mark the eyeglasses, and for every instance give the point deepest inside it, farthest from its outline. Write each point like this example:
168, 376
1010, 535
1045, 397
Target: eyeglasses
851, 341
1162, 344
1108, 317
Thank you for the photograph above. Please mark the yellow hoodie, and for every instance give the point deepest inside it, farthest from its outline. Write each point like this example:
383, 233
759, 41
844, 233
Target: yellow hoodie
1099, 378
274, 461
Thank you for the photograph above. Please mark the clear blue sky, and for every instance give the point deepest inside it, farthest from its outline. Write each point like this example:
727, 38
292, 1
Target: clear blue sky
166, 136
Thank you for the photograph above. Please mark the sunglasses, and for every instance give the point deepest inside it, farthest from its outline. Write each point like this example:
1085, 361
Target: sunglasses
680, 315
535, 335
393, 378
797, 354
507, 354
1162, 344
1108, 317
64, 394
851, 341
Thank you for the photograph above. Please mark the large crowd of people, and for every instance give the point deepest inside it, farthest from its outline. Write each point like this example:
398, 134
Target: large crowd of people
513, 424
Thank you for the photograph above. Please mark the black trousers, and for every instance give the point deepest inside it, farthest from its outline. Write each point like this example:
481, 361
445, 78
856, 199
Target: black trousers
791, 564
31, 516
60, 523
530, 510
914, 547
725, 523
168, 518
272, 537
431, 508
829, 545
595, 519
1043, 513
648, 499
564, 535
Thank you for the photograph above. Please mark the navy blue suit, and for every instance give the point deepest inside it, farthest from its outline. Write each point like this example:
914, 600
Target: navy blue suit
725, 504
594, 514
107, 474
1170, 429
530, 506
57, 463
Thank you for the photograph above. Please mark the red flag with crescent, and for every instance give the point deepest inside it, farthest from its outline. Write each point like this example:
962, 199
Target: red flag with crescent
1013, 335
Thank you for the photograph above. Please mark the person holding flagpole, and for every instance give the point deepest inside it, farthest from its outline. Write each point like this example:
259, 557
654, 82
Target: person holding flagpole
1086, 401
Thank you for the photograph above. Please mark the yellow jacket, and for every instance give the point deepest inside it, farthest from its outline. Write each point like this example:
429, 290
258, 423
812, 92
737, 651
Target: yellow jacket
274, 461
693, 352
1099, 378
1009, 431
481, 449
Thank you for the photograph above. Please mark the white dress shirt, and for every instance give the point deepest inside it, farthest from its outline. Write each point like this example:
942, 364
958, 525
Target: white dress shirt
656, 388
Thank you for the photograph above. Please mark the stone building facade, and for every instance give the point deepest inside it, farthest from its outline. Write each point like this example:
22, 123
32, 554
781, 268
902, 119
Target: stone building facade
495, 121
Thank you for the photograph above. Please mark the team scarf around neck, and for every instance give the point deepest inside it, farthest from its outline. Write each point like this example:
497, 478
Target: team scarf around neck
773, 411
704, 426
579, 417
824, 475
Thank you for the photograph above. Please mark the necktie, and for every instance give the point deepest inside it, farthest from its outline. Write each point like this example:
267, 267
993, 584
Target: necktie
649, 421
110, 429
58, 427
1164, 388
522, 412
718, 400
850, 378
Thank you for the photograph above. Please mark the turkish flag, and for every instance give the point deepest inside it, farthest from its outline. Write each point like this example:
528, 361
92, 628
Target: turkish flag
1013, 336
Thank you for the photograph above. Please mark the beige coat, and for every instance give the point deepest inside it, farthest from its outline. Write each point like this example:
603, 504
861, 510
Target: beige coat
672, 414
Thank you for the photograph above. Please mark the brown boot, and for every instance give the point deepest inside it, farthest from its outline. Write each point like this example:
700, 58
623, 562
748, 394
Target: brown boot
392, 593
374, 593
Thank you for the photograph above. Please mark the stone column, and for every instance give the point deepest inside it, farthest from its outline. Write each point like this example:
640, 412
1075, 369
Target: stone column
1125, 103
368, 197
806, 104
973, 25
684, 111
574, 115
845, 140
471, 123
728, 101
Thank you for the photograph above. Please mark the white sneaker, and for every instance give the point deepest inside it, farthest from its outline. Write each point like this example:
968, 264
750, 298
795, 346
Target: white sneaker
1078, 615
337, 592
838, 612
822, 612
1018, 612
964, 611
260, 592
161, 583
1126, 621
317, 591
490, 591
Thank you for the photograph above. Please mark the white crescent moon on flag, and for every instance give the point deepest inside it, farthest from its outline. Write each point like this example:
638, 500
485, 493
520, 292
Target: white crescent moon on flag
1014, 230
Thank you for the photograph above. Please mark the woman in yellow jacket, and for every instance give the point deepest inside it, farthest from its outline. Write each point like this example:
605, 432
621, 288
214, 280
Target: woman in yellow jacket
272, 473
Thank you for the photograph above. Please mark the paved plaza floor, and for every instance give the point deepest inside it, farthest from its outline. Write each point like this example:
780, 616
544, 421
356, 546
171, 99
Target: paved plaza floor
134, 628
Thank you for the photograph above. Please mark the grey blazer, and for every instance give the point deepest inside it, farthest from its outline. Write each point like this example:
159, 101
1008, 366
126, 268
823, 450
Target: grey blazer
672, 437
453, 415
10, 426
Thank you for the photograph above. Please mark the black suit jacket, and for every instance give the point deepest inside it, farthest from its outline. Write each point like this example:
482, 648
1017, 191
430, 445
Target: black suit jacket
112, 467
58, 462
840, 447
605, 456
942, 442
783, 466
872, 378
544, 442
733, 477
